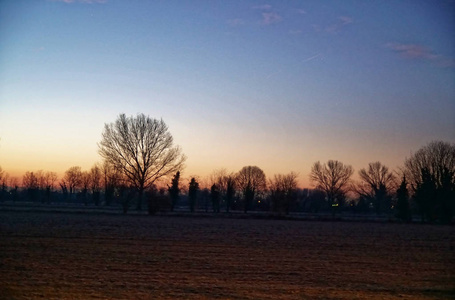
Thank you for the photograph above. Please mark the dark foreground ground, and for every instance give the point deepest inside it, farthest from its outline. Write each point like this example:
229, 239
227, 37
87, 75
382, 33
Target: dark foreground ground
94, 256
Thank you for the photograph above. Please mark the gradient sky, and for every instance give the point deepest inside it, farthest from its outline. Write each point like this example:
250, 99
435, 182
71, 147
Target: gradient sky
277, 84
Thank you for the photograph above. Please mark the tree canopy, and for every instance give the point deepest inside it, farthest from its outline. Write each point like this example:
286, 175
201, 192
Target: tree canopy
333, 178
142, 149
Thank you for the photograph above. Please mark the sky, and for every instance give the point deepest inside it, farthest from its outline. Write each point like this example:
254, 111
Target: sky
276, 84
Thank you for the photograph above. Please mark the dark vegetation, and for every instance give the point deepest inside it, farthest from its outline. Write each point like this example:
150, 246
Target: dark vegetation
139, 157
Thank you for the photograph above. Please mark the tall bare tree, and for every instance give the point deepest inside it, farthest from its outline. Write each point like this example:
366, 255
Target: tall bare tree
376, 184
431, 174
283, 191
251, 181
333, 178
112, 178
226, 184
142, 149
4, 178
437, 158
72, 179
49, 181
31, 183
85, 185
95, 183
230, 189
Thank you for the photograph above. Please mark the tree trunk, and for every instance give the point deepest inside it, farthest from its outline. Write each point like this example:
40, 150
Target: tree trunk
139, 199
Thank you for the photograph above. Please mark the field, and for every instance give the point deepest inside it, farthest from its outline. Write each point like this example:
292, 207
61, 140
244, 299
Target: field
46, 255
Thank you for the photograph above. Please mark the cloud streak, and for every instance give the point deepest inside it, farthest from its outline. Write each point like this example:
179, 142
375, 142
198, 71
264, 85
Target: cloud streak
420, 52
342, 21
263, 7
270, 18
412, 50
235, 22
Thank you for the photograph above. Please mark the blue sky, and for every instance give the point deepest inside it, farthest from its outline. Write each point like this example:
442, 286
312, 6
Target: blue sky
277, 84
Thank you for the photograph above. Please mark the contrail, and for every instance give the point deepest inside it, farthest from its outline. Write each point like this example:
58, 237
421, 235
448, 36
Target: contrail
311, 58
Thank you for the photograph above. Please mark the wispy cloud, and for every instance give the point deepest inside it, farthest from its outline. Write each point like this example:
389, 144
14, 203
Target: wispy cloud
235, 22
412, 50
263, 7
82, 1
301, 11
268, 15
341, 22
295, 32
345, 20
420, 52
270, 18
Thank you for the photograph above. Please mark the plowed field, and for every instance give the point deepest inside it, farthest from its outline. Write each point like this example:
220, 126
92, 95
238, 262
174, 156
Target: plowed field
93, 256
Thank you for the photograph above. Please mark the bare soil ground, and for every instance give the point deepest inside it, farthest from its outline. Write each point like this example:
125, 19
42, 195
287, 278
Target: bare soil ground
94, 256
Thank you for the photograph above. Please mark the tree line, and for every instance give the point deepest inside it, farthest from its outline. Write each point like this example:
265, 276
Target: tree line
139, 158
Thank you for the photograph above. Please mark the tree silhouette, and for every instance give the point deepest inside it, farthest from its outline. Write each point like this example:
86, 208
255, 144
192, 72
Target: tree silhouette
251, 181
226, 185
46, 181
230, 190
193, 190
30, 183
95, 183
112, 179
376, 183
333, 178
142, 149
403, 209
283, 190
174, 190
215, 196
72, 179
431, 173
3, 184
85, 185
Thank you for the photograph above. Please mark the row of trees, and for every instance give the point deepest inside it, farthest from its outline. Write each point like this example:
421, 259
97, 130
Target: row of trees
138, 153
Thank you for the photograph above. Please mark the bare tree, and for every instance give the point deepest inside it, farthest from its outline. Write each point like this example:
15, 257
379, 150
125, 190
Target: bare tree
31, 184
49, 181
3, 185
112, 179
41, 179
251, 181
95, 183
85, 185
376, 184
333, 178
431, 174
14, 184
437, 157
72, 179
283, 191
230, 189
226, 185
4, 178
142, 149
